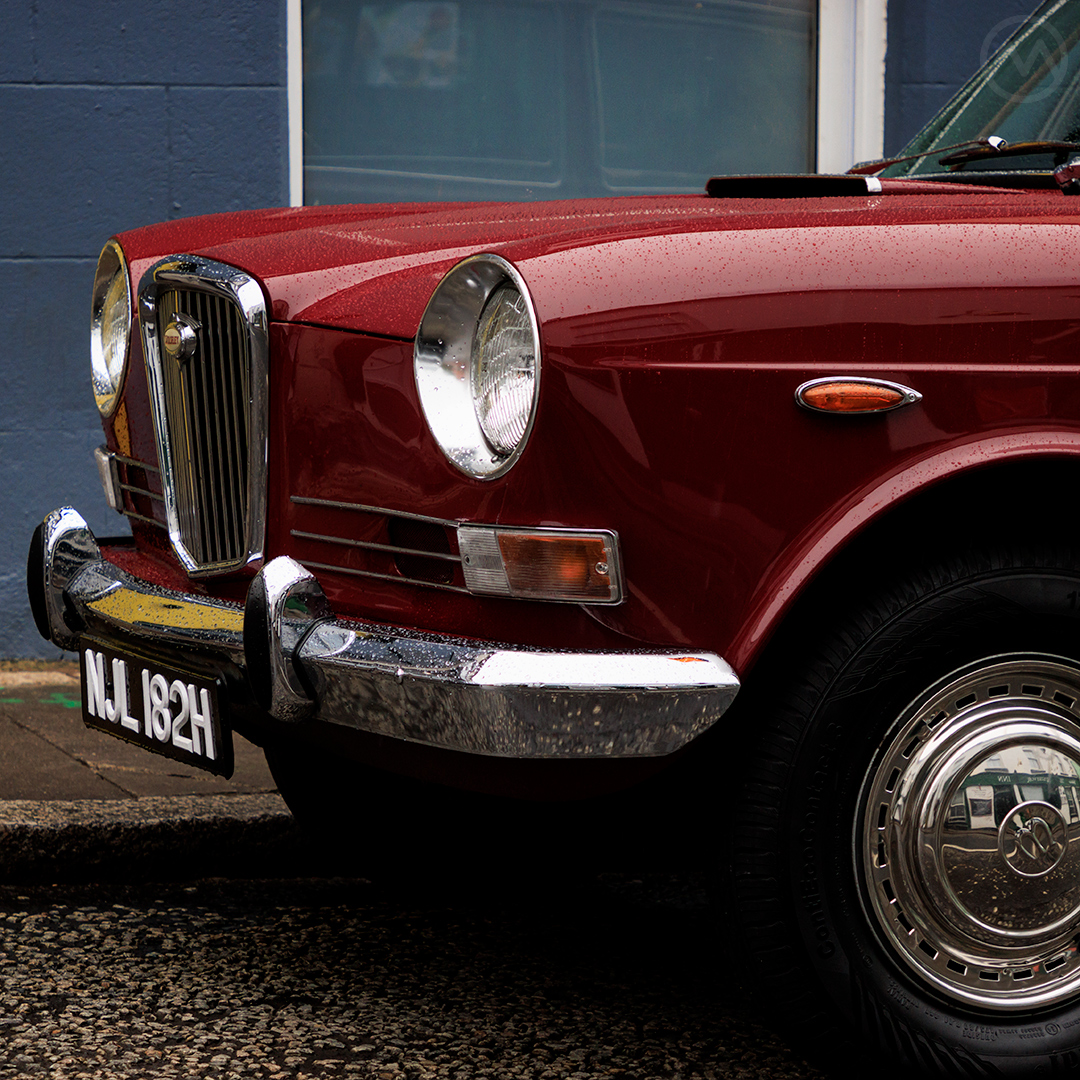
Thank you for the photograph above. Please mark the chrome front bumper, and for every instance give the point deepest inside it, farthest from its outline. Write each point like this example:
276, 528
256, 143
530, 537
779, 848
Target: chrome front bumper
303, 664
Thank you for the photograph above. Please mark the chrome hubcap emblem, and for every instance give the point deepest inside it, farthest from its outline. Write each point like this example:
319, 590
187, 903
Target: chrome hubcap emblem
1033, 839
970, 843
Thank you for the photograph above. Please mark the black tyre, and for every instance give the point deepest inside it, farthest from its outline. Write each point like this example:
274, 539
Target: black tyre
909, 838
354, 817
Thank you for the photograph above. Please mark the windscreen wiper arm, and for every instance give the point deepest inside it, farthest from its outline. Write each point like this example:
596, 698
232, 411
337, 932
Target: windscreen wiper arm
1019, 149
868, 168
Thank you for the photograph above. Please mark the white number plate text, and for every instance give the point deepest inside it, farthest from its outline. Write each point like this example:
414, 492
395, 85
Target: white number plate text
163, 710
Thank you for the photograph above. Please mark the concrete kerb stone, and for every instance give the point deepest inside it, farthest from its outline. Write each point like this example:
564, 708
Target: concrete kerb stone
164, 836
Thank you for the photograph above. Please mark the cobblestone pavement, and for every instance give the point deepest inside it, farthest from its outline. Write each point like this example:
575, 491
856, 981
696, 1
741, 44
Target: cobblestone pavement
322, 978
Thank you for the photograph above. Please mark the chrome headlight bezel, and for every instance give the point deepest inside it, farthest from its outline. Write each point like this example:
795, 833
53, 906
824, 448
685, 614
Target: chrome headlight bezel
110, 327
445, 361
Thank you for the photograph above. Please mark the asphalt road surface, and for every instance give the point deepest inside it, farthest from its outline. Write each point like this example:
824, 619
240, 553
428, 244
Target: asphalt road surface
594, 977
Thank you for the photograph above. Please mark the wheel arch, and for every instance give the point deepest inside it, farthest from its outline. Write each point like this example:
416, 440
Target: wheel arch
1009, 490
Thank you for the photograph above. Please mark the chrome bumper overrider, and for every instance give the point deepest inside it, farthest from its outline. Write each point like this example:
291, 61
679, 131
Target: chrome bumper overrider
303, 664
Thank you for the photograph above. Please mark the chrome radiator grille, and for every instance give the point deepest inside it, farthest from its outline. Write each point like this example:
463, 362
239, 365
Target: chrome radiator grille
204, 328
206, 413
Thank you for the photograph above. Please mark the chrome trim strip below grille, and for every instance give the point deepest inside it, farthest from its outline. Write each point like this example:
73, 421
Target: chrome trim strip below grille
142, 491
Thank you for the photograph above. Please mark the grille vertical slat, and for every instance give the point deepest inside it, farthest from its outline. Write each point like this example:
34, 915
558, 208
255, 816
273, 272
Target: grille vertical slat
225, 392
235, 381
200, 372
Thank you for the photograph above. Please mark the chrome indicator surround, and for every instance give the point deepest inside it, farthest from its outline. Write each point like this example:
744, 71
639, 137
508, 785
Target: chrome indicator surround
907, 396
486, 573
443, 364
183, 508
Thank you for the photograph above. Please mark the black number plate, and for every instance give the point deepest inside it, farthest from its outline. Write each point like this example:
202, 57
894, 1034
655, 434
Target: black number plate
162, 709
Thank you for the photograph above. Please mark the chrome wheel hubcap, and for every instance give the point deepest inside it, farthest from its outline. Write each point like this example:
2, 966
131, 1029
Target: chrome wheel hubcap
970, 844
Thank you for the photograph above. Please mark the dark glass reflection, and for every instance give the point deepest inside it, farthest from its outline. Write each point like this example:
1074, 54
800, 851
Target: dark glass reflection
424, 100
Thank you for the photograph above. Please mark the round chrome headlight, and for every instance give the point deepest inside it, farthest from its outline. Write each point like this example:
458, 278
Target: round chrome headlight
110, 326
477, 363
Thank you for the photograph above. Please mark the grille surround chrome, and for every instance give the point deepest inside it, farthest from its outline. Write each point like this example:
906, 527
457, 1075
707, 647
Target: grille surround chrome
186, 515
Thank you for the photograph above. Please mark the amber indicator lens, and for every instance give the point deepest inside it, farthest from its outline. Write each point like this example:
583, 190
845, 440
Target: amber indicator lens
559, 567
854, 396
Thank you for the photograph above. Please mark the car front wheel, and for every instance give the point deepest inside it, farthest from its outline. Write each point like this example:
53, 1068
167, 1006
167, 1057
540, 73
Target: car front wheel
909, 838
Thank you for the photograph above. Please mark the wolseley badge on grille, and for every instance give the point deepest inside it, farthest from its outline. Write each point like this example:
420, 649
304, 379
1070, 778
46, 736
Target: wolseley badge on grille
180, 338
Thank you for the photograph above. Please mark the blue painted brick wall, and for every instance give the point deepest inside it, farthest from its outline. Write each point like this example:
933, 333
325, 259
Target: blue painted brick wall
112, 115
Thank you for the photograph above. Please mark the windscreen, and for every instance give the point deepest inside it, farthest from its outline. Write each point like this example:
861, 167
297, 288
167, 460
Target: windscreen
1028, 91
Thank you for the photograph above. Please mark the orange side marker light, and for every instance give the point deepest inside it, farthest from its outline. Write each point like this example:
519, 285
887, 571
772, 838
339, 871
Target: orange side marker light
854, 395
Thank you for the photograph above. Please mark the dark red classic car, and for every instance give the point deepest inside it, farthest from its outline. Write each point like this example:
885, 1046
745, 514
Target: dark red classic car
514, 498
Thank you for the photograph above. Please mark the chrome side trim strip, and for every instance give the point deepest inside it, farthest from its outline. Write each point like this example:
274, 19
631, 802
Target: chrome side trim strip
471, 696
144, 465
136, 490
372, 545
142, 517
333, 504
398, 579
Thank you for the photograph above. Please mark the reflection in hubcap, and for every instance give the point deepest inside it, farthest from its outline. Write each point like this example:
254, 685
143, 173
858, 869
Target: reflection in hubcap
1032, 839
971, 834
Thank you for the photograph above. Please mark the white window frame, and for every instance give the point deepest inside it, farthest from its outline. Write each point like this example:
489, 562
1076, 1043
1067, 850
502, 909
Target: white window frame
850, 93
852, 37
295, 74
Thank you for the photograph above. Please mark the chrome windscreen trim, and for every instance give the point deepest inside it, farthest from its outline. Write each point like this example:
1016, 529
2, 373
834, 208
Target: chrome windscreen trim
472, 696
188, 272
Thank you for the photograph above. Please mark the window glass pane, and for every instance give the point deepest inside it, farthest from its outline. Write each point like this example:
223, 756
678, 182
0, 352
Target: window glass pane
689, 91
512, 99
415, 100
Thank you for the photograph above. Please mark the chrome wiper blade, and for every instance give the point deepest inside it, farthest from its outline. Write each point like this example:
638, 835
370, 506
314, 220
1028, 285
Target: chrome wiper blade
1020, 149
